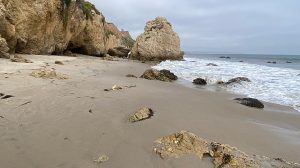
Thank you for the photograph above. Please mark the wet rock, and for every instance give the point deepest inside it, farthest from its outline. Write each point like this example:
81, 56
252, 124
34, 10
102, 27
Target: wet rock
222, 155
142, 114
131, 76
119, 52
220, 82
250, 102
163, 75
169, 74
238, 80
20, 59
48, 74
59, 62
200, 81
159, 42
211, 64
289, 62
224, 57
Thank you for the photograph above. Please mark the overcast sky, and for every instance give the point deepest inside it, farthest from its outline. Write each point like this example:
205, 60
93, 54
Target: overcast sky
216, 26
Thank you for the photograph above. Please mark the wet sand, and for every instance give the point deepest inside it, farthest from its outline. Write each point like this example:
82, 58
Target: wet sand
70, 123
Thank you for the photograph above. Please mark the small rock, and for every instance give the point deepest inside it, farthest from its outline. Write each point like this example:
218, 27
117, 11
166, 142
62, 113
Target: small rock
250, 102
90, 111
289, 62
220, 82
20, 59
142, 114
1, 117
131, 76
238, 80
200, 81
69, 53
241, 61
101, 159
2, 94
7, 97
211, 64
59, 62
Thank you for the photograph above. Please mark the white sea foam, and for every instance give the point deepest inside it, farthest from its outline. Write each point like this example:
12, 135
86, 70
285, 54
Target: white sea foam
270, 84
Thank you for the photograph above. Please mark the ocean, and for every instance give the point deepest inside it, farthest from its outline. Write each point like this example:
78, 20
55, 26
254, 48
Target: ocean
275, 78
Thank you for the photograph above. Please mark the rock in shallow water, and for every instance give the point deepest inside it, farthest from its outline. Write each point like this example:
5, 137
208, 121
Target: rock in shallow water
211, 64
163, 75
222, 155
142, 114
200, 81
238, 80
250, 102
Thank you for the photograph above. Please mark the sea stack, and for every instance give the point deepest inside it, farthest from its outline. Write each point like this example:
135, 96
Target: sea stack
158, 43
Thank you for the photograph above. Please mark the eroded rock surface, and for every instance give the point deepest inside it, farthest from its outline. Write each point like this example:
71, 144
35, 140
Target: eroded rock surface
199, 81
186, 143
3, 48
142, 114
163, 75
159, 42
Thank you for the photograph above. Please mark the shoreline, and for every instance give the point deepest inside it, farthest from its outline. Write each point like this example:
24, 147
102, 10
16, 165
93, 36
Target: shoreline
56, 128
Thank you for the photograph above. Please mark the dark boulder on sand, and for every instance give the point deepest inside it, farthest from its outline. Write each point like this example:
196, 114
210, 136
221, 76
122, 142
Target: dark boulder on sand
200, 81
163, 75
250, 102
238, 80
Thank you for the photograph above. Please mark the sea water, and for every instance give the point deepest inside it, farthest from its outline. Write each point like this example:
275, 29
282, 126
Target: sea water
275, 78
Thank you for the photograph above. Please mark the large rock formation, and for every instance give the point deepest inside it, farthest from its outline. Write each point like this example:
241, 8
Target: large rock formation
53, 26
158, 42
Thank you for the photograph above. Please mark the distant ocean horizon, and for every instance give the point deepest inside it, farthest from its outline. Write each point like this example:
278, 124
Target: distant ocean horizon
275, 78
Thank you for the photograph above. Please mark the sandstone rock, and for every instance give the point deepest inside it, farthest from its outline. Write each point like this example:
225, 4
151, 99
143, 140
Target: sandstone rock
52, 26
119, 52
250, 102
211, 64
142, 114
238, 80
3, 48
186, 143
200, 81
152, 74
159, 42
48, 74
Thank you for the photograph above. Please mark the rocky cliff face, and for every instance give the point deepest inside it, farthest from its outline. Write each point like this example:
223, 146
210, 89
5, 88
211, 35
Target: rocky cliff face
3, 48
117, 38
53, 26
158, 42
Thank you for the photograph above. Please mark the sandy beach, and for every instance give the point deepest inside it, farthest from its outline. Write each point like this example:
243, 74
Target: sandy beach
70, 123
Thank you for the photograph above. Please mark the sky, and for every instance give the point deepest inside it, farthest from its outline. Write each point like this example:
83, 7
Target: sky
216, 26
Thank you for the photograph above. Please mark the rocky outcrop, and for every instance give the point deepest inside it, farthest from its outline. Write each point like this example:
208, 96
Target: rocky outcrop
186, 143
54, 26
250, 102
199, 81
117, 39
3, 48
159, 42
238, 80
163, 75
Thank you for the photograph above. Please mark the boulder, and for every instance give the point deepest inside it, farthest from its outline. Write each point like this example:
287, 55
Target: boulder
142, 114
119, 52
238, 80
211, 64
163, 75
250, 102
200, 81
221, 155
158, 42
3, 48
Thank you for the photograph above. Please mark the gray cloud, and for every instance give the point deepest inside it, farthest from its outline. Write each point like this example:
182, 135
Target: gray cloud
214, 26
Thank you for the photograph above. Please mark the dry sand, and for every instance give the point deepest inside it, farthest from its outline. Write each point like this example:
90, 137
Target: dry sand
52, 123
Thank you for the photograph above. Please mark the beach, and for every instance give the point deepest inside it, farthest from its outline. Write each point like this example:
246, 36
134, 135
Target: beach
70, 122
